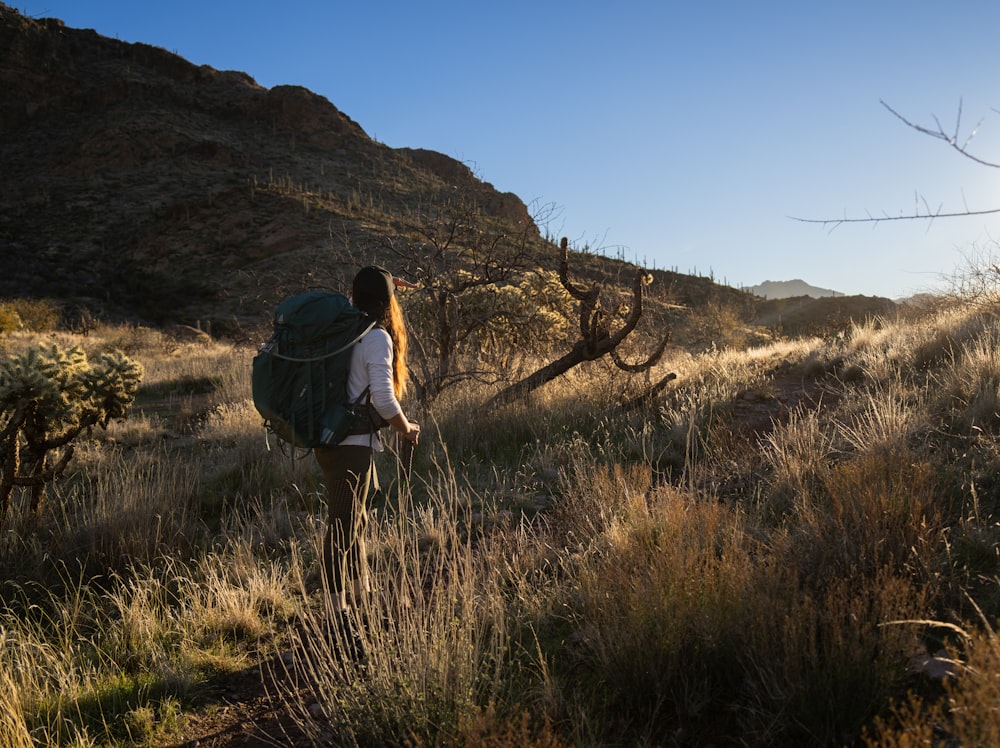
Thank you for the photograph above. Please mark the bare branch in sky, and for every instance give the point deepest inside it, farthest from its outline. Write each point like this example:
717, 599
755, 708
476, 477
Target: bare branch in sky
905, 217
924, 212
940, 134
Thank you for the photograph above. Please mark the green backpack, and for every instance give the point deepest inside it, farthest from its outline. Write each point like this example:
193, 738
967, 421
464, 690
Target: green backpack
300, 373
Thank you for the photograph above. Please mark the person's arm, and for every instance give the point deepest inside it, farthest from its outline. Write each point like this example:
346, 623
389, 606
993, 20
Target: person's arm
380, 386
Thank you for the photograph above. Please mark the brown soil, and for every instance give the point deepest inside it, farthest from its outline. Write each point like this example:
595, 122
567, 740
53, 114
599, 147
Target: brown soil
756, 411
249, 712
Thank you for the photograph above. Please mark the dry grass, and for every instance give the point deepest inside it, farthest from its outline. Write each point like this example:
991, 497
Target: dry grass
91, 660
966, 709
436, 647
561, 574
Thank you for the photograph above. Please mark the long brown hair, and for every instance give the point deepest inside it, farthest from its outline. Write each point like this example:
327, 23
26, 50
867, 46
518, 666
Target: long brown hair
374, 294
395, 325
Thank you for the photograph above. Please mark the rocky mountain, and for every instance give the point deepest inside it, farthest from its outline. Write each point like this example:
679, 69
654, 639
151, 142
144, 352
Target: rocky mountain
138, 183
791, 288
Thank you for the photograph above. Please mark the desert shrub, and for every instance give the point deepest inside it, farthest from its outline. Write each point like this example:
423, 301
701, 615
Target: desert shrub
868, 513
660, 615
695, 626
884, 418
820, 662
10, 320
474, 329
912, 349
798, 455
966, 714
967, 391
940, 341
716, 325
976, 280
36, 315
136, 340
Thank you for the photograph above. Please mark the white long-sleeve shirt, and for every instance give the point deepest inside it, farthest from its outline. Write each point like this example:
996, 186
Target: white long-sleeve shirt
371, 367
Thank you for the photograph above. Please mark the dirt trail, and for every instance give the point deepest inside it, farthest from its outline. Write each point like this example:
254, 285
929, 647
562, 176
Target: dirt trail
249, 711
757, 410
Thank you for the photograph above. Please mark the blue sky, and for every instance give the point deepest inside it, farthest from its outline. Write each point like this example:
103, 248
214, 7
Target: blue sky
682, 135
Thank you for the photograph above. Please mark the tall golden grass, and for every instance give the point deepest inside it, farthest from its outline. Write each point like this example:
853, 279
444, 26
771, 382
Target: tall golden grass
555, 573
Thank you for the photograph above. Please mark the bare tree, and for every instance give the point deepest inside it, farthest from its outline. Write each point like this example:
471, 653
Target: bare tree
459, 257
597, 339
977, 277
956, 141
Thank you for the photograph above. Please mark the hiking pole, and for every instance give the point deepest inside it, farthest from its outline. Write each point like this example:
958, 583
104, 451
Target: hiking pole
405, 455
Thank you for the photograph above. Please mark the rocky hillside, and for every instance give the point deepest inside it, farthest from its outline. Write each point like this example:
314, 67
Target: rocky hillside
151, 189
804, 315
146, 186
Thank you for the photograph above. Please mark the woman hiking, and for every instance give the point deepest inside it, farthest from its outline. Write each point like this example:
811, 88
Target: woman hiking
378, 366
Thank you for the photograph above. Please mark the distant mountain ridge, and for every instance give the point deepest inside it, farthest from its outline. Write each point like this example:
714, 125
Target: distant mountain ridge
790, 289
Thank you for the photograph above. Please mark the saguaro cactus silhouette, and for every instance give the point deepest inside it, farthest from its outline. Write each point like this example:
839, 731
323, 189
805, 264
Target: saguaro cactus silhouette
597, 339
48, 397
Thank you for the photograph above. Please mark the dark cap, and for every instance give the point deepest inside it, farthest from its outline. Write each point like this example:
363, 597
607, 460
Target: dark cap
373, 286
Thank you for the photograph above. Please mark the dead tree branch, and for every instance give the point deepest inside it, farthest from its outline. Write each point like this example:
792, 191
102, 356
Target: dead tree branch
938, 133
596, 337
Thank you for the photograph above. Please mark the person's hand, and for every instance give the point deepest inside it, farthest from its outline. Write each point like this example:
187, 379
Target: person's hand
412, 433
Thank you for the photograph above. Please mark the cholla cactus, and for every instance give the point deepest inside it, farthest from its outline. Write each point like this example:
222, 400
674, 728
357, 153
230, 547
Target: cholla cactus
48, 397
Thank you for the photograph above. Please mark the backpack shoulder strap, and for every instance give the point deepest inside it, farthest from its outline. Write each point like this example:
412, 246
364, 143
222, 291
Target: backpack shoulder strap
326, 355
